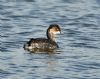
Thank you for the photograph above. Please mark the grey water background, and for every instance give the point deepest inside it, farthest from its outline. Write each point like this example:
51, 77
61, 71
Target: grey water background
79, 42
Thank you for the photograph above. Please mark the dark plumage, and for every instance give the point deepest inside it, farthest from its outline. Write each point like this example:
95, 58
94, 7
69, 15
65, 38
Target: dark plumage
44, 43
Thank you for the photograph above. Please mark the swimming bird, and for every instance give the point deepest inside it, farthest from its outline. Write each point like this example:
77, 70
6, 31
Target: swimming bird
48, 43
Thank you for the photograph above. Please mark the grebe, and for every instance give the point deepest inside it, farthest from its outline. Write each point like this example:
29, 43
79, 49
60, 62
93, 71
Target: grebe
44, 43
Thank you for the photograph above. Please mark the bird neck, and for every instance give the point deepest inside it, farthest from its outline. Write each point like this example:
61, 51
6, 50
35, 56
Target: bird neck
50, 36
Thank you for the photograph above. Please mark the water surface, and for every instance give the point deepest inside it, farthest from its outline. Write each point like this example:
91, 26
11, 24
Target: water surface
79, 42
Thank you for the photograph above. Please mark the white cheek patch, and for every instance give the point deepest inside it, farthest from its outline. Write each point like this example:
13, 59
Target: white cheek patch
58, 32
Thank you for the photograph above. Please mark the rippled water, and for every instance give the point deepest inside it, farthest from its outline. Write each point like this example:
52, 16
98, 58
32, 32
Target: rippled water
79, 42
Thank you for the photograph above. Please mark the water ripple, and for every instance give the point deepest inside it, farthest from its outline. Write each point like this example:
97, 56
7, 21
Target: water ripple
78, 56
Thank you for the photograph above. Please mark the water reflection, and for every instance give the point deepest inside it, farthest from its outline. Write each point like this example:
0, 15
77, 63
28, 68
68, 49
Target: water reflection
79, 53
41, 64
